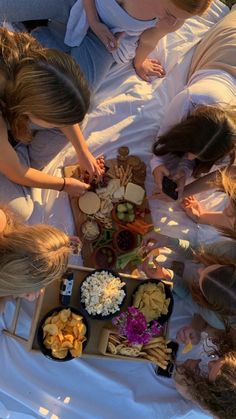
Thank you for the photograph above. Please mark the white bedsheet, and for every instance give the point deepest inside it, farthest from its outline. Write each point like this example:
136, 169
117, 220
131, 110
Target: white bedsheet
127, 111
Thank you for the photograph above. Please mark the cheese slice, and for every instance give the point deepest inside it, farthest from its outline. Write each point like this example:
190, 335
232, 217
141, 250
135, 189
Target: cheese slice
89, 203
134, 193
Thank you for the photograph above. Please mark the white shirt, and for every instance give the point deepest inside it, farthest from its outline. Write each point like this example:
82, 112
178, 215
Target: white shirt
116, 19
206, 87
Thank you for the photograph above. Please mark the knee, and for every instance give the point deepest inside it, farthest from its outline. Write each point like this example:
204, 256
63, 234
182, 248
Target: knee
23, 209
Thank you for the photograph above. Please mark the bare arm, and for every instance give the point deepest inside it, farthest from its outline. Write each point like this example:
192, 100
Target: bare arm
101, 30
202, 184
91, 12
12, 168
147, 42
86, 159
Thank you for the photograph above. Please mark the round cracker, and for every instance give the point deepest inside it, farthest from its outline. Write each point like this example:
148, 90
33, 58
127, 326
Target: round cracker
89, 203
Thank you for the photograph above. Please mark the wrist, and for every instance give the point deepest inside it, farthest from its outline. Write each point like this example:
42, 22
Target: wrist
62, 185
137, 62
94, 24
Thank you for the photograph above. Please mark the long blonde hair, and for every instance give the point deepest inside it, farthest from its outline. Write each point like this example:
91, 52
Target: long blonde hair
31, 257
195, 7
226, 181
44, 82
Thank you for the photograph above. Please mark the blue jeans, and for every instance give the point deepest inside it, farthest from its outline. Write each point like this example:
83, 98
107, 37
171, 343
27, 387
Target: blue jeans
19, 10
92, 56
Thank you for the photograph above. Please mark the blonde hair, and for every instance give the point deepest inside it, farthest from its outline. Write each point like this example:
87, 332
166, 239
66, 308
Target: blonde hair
31, 257
226, 181
195, 7
44, 82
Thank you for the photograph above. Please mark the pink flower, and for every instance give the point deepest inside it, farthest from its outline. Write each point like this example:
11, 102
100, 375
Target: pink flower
133, 325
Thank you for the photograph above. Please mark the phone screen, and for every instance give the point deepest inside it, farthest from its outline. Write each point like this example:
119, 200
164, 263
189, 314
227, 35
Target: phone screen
169, 188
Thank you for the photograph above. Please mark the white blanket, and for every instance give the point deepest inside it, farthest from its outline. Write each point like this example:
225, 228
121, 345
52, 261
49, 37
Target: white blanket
127, 111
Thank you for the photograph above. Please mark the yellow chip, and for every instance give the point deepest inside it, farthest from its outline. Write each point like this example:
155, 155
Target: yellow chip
60, 354
77, 317
77, 350
55, 318
82, 329
188, 347
48, 320
56, 344
77, 344
67, 344
52, 329
69, 337
65, 314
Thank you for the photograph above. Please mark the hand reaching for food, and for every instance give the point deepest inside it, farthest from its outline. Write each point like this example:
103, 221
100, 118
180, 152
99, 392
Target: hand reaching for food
88, 163
75, 187
153, 240
154, 271
193, 208
188, 336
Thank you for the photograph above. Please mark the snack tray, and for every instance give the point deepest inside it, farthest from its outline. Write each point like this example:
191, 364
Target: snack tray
50, 299
80, 217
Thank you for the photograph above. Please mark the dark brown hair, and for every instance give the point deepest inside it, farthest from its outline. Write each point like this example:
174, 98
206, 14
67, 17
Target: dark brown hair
218, 396
209, 132
44, 82
218, 291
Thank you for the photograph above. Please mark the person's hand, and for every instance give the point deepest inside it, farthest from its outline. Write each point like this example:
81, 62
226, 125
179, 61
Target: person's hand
192, 207
88, 163
75, 187
155, 271
32, 295
153, 240
110, 40
180, 179
149, 68
158, 173
188, 334
75, 245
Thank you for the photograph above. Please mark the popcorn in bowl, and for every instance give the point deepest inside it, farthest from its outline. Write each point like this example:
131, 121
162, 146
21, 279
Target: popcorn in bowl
102, 293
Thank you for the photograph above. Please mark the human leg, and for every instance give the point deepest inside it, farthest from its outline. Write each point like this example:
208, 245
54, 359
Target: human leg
20, 10
16, 196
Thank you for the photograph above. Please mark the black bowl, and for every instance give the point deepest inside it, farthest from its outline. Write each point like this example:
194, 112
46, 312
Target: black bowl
47, 352
99, 316
164, 317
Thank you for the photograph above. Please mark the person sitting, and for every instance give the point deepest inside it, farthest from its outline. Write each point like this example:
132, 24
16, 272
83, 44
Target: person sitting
44, 87
224, 220
211, 386
31, 256
207, 283
199, 124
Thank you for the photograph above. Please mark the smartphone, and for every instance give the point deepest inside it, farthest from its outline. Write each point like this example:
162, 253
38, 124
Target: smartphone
169, 187
66, 288
170, 367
